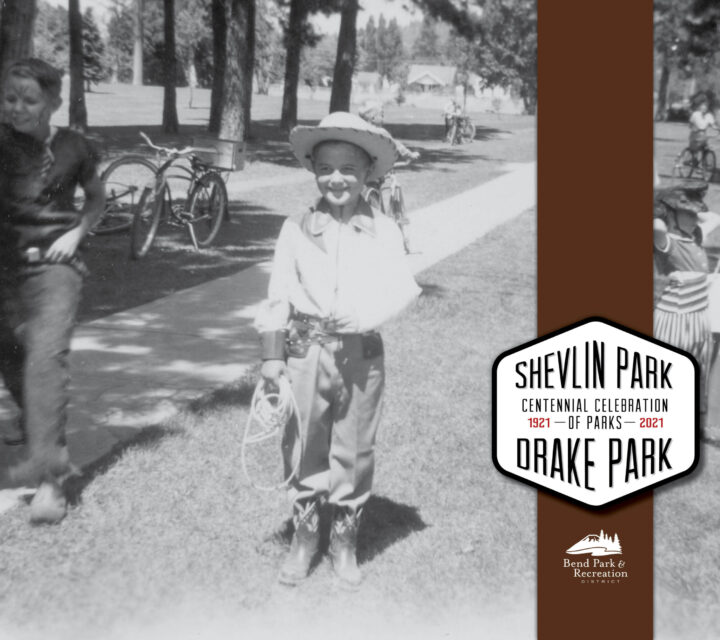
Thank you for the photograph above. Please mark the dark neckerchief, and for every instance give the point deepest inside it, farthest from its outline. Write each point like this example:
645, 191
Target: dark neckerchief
317, 219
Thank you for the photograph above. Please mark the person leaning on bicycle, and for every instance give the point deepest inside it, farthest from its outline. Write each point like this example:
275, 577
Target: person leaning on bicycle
700, 121
453, 114
373, 113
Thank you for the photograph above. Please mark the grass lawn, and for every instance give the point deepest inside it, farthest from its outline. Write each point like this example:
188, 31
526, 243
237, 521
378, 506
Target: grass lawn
118, 112
168, 541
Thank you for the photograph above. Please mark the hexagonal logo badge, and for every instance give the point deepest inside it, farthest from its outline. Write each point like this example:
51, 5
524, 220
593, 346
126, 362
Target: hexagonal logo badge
595, 413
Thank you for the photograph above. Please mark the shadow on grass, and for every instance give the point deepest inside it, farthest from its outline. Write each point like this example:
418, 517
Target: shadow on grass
237, 395
269, 143
436, 133
144, 437
117, 282
384, 522
432, 290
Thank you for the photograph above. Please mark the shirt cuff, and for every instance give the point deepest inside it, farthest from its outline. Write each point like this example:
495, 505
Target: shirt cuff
273, 345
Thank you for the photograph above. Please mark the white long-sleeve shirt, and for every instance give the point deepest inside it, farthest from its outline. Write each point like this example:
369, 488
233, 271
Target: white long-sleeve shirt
701, 121
330, 269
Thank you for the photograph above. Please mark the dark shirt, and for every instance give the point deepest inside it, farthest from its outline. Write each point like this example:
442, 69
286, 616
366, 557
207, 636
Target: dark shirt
36, 210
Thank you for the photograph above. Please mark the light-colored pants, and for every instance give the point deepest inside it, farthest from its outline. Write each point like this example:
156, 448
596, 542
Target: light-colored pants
339, 395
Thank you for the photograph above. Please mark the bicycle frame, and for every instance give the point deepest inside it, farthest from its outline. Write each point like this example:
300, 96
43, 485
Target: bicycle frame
162, 180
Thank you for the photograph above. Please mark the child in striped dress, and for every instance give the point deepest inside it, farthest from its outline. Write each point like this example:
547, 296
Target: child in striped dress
681, 280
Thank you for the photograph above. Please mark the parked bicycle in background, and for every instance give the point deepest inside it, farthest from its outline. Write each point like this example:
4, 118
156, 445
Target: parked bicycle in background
386, 194
462, 130
697, 160
200, 212
125, 180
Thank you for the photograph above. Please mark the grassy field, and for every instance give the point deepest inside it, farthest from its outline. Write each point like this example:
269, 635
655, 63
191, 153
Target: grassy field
117, 112
168, 541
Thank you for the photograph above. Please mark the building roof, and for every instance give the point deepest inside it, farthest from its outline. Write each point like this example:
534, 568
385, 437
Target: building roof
367, 77
431, 74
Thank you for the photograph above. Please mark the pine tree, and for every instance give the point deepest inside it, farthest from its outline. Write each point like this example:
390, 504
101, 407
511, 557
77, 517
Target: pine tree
51, 40
426, 45
93, 50
369, 46
390, 51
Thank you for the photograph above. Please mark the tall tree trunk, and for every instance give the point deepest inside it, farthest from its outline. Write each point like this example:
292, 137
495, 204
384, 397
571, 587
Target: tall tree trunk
76, 108
661, 112
191, 76
138, 42
170, 117
233, 123
345, 59
16, 29
219, 24
249, 67
298, 13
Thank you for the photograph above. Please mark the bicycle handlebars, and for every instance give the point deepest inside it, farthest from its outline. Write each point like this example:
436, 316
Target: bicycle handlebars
171, 151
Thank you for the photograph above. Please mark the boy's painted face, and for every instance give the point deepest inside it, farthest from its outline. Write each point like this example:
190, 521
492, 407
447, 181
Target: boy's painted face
341, 170
26, 106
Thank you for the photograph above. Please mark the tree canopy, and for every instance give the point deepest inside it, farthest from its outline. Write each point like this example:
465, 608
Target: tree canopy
93, 50
503, 34
426, 47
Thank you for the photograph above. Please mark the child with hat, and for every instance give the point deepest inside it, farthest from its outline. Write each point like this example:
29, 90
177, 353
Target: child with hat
339, 272
681, 315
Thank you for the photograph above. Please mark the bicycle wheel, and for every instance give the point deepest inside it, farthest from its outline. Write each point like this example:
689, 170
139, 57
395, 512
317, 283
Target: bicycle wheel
708, 164
686, 163
145, 221
208, 201
468, 133
124, 180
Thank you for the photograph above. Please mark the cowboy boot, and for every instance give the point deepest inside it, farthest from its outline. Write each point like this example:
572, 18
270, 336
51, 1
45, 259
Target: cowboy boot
343, 546
305, 542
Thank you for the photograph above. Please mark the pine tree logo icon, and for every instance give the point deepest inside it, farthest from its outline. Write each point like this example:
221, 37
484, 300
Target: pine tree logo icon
597, 544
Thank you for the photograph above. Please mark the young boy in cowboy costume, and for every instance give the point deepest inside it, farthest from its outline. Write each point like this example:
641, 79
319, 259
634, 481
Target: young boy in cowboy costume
339, 272
681, 315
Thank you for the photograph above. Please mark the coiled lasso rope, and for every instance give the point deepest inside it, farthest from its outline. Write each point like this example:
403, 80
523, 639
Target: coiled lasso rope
270, 413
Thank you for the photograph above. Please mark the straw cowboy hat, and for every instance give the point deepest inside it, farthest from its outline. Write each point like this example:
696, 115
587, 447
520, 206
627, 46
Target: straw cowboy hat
681, 198
346, 127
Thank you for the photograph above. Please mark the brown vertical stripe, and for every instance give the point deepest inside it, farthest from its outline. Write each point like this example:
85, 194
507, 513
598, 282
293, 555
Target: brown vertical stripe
594, 258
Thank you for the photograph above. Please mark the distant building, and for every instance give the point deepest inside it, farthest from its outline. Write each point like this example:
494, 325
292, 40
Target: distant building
367, 81
431, 77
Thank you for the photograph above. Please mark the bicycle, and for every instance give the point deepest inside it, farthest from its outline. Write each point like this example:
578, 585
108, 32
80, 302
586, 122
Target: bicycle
124, 180
698, 158
204, 206
461, 131
388, 188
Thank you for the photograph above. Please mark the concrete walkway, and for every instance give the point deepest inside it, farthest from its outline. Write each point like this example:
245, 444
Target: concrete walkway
137, 368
